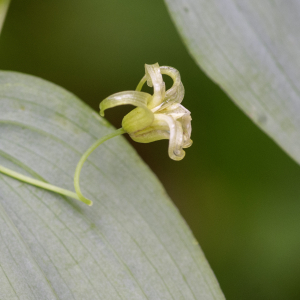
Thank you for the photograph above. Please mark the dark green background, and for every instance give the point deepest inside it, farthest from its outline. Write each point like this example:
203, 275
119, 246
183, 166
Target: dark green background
238, 191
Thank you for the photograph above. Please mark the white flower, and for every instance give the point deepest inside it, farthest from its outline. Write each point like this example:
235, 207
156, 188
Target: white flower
158, 116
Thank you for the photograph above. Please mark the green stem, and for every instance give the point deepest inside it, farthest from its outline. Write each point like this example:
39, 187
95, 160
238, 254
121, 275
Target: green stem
58, 190
38, 183
141, 83
3, 10
84, 158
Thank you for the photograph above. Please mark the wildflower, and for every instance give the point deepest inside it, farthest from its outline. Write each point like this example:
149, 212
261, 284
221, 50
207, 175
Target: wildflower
158, 116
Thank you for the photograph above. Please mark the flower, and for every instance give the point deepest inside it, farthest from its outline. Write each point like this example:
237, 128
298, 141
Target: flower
158, 116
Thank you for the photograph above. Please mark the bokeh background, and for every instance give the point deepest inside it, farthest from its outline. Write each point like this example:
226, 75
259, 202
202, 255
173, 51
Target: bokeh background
237, 190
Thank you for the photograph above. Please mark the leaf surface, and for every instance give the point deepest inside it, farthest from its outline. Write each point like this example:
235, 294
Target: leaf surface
131, 244
251, 49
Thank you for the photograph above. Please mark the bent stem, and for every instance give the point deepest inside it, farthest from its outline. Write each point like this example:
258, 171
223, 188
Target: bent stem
78, 195
141, 83
84, 158
38, 183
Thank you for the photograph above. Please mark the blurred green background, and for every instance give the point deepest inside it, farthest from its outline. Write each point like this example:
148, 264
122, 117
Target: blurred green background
238, 191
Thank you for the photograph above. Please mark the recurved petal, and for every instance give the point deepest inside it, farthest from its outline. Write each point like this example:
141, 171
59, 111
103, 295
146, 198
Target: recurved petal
175, 110
154, 78
135, 98
187, 130
182, 115
176, 93
176, 136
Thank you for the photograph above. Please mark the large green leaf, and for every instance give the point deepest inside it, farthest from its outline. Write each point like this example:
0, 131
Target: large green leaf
131, 244
251, 49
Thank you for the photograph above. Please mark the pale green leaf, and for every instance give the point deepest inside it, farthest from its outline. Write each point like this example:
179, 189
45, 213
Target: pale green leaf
4, 4
131, 244
251, 49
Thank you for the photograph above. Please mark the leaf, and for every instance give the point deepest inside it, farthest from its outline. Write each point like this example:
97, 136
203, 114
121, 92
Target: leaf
131, 244
251, 49
4, 4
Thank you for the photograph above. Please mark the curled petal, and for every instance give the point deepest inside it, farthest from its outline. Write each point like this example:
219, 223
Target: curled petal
176, 93
154, 78
182, 115
137, 119
187, 130
139, 99
175, 110
176, 136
